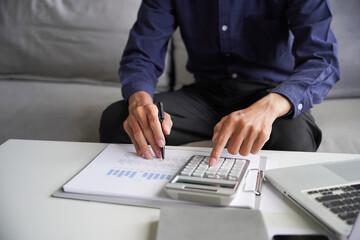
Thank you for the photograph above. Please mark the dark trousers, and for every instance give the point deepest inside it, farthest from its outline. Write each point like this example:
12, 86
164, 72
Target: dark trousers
197, 108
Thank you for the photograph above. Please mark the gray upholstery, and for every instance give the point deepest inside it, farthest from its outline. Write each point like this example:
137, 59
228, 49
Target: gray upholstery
53, 111
59, 62
65, 40
58, 66
339, 120
346, 19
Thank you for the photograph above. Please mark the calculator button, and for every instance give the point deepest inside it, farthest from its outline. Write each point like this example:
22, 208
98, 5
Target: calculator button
213, 168
223, 174
205, 160
230, 160
213, 176
211, 173
235, 175
186, 173
193, 164
200, 170
203, 163
239, 163
222, 170
198, 174
188, 169
238, 170
226, 168
197, 158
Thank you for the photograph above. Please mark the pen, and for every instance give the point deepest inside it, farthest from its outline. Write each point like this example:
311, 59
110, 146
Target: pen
160, 107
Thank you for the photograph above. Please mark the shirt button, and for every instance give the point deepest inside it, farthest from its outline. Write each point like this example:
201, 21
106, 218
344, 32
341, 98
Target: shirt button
234, 75
300, 106
224, 28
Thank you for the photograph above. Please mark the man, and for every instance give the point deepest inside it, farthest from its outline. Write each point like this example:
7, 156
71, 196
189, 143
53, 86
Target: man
259, 67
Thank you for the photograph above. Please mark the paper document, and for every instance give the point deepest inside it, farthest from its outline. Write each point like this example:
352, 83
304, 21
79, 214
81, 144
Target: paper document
118, 171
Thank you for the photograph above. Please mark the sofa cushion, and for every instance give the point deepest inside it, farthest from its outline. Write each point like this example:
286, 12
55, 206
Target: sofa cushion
80, 40
182, 76
53, 111
339, 120
346, 19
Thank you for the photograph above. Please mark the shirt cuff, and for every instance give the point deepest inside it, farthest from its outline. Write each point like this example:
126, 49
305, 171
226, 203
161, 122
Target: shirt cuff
296, 95
137, 86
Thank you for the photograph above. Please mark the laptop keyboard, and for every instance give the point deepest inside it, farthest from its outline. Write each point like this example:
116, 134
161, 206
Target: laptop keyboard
344, 201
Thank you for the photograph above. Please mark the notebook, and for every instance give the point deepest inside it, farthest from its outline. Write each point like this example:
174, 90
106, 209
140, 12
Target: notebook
328, 192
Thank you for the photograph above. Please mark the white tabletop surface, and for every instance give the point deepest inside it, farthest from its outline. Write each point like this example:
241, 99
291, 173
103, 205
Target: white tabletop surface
30, 171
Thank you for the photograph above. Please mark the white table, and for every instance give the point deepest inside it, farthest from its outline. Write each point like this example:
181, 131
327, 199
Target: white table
30, 171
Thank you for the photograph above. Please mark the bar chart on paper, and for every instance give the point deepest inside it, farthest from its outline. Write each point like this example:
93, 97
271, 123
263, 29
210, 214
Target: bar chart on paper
130, 167
118, 171
138, 175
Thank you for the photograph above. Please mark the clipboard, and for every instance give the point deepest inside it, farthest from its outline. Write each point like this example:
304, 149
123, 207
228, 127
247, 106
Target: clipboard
99, 167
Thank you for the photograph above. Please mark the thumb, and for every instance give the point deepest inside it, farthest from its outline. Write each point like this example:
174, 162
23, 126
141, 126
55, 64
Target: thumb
167, 124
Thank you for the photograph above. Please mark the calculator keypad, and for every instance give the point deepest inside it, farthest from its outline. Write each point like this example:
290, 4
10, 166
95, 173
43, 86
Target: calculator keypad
226, 168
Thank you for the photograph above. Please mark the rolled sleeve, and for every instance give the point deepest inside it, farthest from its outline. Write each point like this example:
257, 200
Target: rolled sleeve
315, 51
143, 59
302, 95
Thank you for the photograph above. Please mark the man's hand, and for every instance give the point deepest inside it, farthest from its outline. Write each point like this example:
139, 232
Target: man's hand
246, 131
143, 125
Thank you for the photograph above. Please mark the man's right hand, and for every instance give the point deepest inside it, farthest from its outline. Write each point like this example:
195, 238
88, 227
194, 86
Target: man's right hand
143, 125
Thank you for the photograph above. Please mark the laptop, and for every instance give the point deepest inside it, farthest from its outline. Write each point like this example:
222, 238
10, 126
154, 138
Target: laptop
328, 192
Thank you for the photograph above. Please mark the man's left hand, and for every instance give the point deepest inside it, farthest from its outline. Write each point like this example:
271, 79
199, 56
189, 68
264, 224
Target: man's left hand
247, 130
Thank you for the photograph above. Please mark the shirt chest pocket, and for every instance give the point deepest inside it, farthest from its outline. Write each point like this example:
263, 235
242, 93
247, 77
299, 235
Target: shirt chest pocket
264, 41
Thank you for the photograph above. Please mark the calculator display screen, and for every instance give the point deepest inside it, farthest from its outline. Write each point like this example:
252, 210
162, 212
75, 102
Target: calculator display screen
211, 184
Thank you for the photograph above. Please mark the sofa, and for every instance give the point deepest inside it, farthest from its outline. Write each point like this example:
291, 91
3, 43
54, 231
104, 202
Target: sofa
59, 62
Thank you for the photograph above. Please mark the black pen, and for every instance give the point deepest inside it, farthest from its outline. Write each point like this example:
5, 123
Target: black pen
160, 107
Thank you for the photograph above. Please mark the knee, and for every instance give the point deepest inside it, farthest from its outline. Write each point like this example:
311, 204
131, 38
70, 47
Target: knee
110, 116
291, 142
111, 124
300, 134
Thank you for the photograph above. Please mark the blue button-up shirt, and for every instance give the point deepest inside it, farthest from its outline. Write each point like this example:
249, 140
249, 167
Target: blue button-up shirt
288, 43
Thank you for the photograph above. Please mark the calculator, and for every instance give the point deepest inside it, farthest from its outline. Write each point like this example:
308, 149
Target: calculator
196, 181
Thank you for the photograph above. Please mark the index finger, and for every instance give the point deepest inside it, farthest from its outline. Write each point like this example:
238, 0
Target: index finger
219, 146
156, 128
